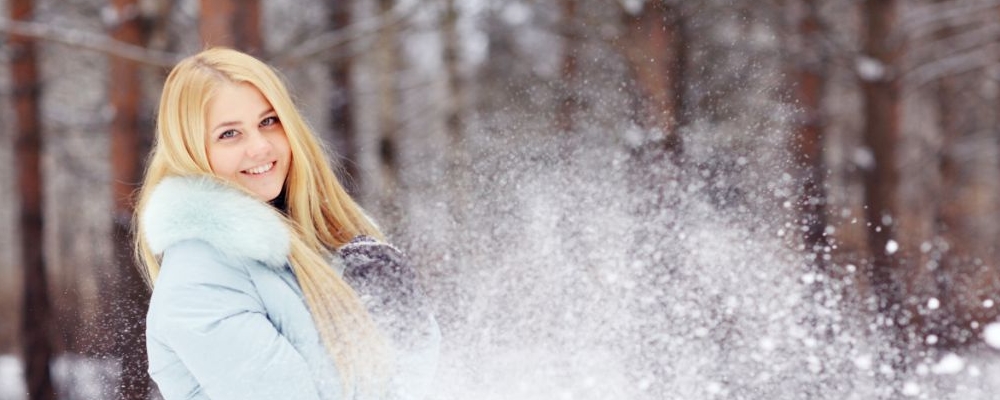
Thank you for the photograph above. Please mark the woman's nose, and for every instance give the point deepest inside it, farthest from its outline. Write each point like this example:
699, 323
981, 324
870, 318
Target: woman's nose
259, 145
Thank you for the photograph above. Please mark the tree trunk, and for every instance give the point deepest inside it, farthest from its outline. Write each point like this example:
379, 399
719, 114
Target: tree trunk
454, 122
344, 132
960, 301
881, 86
458, 155
569, 104
36, 316
654, 48
388, 64
232, 23
947, 217
129, 294
810, 75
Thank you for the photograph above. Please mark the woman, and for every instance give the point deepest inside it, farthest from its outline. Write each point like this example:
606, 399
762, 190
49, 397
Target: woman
252, 247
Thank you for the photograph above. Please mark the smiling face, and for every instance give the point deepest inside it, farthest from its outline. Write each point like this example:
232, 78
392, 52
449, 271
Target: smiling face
246, 142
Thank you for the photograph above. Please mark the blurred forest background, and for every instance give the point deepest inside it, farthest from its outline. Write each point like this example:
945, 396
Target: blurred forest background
564, 147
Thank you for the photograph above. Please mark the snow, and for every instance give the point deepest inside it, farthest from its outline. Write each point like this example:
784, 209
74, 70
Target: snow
933, 303
911, 389
633, 7
11, 378
863, 158
109, 15
950, 364
863, 362
891, 247
991, 335
869, 69
75, 377
690, 301
516, 13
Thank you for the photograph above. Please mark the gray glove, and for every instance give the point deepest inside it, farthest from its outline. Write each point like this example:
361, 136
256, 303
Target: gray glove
387, 283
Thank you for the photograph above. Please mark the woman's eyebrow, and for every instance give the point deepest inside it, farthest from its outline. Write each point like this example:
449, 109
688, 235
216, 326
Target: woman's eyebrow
237, 123
225, 124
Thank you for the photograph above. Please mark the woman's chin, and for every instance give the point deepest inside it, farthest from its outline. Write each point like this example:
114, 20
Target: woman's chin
263, 192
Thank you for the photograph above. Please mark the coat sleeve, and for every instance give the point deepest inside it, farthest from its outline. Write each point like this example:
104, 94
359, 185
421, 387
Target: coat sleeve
206, 310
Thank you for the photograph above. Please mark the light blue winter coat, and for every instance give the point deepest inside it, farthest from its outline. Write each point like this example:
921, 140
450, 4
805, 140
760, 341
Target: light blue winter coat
227, 319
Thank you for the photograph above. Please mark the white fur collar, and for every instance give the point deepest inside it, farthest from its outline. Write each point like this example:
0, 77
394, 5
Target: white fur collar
201, 208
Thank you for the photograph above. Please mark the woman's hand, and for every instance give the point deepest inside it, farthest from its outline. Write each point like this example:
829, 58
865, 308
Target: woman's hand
388, 285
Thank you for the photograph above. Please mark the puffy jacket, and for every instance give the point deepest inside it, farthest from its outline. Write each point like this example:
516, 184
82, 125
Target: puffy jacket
227, 318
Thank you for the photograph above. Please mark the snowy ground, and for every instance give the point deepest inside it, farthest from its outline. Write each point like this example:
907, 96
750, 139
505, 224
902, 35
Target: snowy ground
11, 378
75, 377
532, 373
973, 375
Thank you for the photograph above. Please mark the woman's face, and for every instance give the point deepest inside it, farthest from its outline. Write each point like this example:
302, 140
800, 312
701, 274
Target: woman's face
246, 142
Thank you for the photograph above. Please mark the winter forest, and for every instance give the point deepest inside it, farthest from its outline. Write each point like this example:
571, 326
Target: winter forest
606, 199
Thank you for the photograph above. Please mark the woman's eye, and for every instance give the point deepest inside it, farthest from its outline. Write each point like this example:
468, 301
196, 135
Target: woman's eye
269, 121
228, 134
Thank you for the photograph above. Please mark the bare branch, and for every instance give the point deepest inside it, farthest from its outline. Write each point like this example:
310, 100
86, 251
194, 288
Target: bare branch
332, 39
955, 44
971, 60
925, 19
90, 41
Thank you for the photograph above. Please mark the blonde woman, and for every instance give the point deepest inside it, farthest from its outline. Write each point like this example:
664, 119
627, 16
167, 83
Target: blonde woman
268, 280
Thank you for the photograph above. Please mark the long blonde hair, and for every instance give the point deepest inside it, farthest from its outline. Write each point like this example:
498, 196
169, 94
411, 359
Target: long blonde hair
321, 216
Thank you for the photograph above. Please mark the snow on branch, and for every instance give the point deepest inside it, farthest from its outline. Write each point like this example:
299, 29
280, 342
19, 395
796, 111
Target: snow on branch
90, 41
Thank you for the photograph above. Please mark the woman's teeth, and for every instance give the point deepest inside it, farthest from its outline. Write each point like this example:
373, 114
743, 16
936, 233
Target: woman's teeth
261, 169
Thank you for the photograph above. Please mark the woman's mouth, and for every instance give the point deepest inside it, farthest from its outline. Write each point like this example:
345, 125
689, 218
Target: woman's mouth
260, 169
